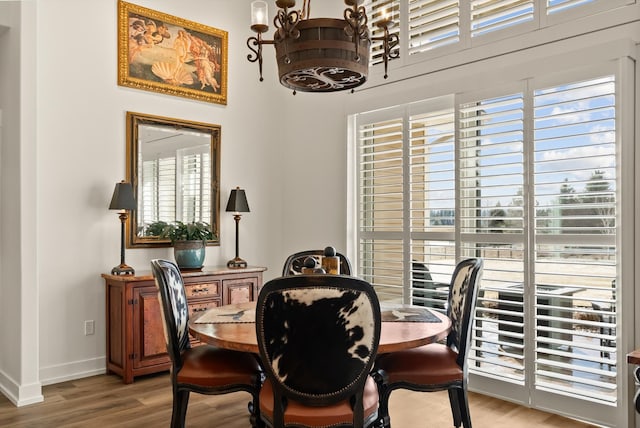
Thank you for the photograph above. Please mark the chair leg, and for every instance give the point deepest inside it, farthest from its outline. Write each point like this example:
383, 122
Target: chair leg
180, 402
384, 393
455, 407
254, 404
463, 402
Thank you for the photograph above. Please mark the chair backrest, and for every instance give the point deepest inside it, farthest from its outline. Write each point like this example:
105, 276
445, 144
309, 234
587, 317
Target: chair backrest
318, 337
463, 294
173, 304
420, 274
295, 262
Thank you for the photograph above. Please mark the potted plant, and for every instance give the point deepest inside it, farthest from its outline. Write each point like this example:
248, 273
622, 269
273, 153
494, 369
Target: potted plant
189, 242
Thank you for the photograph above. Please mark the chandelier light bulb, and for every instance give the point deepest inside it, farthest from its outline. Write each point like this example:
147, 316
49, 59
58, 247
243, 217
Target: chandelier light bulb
259, 13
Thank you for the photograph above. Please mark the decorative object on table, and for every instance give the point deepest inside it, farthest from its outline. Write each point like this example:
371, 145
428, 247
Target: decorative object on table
203, 369
331, 262
159, 144
406, 313
311, 265
237, 204
333, 316
163, 53
437, 366
244, 313
295, 262
189, 242
122, 199
320, 54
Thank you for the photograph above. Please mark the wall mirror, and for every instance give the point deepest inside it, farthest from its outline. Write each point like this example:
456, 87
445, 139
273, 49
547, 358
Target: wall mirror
174, 167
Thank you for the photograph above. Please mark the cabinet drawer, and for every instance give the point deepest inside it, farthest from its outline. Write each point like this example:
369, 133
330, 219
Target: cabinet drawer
198, 290
240, 290
196, 309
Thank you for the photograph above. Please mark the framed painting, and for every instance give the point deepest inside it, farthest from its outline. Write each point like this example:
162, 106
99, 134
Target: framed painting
170, 55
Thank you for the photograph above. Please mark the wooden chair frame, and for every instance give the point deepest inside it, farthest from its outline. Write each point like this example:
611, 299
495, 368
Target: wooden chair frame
282, 306
175, 313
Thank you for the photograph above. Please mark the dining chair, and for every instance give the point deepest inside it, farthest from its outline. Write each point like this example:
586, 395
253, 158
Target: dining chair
425, 291
437, 366
203, 369
318, 337
295, 262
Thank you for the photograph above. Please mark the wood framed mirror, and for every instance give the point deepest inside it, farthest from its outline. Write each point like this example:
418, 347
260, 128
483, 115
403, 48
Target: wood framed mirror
174, 168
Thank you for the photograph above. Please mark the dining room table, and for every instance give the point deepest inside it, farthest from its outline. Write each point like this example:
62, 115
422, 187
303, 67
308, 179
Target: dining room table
403, 327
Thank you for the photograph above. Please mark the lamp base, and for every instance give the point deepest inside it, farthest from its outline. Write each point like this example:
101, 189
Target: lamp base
123, 269
236, 263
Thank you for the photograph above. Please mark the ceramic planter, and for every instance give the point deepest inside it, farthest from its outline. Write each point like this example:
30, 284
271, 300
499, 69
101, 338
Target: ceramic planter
189, 254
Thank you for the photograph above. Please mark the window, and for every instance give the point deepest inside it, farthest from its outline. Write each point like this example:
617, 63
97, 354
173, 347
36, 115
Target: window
432, 24
492, 15
431, 27
172, 186
527, 179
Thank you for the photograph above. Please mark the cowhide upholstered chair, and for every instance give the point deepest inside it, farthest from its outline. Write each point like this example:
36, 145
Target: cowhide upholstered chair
295, 262
203, 369
437, 366
318, 337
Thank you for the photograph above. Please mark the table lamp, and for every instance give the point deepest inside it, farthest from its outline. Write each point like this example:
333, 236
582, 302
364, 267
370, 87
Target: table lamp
122, 199
237, 204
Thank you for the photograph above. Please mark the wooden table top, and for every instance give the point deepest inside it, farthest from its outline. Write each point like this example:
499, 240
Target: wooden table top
394, 335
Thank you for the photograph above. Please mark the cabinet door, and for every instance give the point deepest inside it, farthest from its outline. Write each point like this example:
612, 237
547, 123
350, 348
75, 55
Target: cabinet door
149, 347
240, 290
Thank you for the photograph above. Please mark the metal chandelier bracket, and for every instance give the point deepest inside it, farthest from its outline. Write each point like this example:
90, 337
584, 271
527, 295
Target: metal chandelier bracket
319, 54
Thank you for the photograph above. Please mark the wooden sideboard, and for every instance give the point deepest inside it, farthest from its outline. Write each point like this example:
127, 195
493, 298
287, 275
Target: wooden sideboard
135, 335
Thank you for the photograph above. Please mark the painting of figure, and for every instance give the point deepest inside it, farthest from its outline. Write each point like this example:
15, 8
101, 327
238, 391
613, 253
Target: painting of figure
162, 53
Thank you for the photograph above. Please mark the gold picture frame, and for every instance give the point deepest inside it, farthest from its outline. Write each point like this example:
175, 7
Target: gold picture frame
162, 53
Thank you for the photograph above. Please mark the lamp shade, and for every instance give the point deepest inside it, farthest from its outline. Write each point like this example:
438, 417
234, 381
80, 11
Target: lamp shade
237, 201
259, 13
122, 198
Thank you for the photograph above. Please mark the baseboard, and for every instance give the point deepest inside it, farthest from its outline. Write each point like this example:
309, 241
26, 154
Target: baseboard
20, 395
73, 370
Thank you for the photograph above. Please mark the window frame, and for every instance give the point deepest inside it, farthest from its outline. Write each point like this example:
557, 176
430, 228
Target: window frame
623, 70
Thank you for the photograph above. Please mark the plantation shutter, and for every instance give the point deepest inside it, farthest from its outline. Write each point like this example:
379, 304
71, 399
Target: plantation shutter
381, 205
195, 198
159, 178
433, 24
575, 238
491, 15
432, 205
491, 163
555, 6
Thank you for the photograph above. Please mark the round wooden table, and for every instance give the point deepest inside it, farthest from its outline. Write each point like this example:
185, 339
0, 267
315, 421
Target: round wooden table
241, 336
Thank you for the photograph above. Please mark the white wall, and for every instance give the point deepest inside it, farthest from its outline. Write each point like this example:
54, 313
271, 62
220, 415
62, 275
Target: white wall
81, 152
19, 378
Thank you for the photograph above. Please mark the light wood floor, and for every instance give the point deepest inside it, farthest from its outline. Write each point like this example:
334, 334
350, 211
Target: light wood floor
105, 402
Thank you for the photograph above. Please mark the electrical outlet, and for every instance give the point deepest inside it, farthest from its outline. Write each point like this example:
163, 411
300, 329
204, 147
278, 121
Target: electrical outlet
89, 327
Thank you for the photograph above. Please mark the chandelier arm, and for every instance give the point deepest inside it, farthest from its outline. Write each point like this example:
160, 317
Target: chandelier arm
356, 28
286, 22
255, 46
393, 42
253, 43
389, 42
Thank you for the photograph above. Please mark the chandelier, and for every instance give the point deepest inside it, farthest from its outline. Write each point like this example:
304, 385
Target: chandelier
319, 54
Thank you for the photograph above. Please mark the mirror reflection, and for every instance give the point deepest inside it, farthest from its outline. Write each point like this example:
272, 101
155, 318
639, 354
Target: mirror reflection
173, 166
